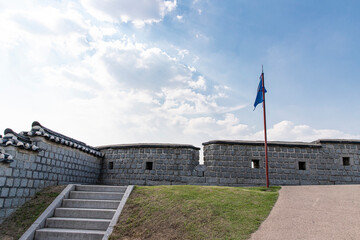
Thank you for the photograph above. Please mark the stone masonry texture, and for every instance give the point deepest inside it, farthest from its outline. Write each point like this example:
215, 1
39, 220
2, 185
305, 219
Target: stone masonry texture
33, 160
32, 171
229, 163
150, 164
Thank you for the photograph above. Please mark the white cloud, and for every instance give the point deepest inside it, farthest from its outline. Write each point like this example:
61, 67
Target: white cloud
192, 69
288, 131
183, 52
138, 12
208, 127
80, 77
199, 84
89, 80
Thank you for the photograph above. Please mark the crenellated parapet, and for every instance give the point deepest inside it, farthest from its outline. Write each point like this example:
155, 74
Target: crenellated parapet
324, 161
32, 160
149, 163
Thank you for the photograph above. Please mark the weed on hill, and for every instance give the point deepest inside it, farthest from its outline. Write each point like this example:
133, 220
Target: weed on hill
194, 212
16, 225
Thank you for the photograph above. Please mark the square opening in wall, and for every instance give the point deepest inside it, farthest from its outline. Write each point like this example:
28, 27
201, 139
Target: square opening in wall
149, 166
111, 165
346, 161
255, 163
302, 165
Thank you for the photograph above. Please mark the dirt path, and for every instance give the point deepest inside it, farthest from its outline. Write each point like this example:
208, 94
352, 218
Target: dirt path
313, 212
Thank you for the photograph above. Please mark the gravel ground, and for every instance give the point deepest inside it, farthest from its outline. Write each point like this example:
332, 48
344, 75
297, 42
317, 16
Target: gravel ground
313, 212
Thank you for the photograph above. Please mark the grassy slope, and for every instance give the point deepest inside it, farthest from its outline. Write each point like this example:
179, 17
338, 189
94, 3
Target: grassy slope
14, 226
194, 212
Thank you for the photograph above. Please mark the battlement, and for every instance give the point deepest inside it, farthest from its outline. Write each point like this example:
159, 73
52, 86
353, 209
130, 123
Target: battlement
32, 160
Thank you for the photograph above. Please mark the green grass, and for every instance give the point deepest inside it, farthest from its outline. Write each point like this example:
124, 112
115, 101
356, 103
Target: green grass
194, 212
15, 225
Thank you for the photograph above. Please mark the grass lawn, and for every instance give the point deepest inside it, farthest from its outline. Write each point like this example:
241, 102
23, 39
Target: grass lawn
15, 225
194, 212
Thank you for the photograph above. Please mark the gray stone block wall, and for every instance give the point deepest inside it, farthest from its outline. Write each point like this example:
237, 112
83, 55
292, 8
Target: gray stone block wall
31, 171
170, 164
226, 163
230, 163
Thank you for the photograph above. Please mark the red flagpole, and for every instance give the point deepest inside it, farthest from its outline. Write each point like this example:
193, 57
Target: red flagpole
266, 149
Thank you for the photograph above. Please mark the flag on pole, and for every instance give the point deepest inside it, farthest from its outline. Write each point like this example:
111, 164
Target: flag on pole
259, 96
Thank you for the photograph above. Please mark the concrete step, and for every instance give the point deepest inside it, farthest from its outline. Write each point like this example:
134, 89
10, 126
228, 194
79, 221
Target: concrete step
84, 213
96, 195
66, 234
100, 188
86, 203
77, 223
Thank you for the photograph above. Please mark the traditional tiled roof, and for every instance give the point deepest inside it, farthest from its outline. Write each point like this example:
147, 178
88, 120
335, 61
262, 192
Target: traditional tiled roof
12, 138
39, 130
4, 157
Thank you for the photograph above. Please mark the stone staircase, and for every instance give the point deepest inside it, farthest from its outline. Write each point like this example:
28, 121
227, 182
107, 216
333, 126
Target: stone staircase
86, 214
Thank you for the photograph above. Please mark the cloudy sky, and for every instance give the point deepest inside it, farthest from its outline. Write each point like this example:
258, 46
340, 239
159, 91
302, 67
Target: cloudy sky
125, 71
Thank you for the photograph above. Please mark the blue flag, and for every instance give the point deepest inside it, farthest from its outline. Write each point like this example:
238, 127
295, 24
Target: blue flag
259, 96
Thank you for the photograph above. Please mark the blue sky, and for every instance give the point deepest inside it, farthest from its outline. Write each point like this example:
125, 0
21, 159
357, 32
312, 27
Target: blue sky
180, 71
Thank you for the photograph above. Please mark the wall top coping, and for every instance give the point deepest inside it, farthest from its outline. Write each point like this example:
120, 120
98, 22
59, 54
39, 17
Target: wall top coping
4, 157
12, 138
147, 145
261, 143
344, 141
38, 130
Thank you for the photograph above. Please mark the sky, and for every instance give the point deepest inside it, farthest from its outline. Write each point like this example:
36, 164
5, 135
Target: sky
154, 71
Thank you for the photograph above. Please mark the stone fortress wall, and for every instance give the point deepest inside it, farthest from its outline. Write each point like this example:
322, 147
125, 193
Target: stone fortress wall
148, 164
30, 161
235, 163
39, 158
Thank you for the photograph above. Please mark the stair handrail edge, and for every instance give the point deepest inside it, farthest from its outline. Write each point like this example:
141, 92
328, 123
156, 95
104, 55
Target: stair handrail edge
116, 216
